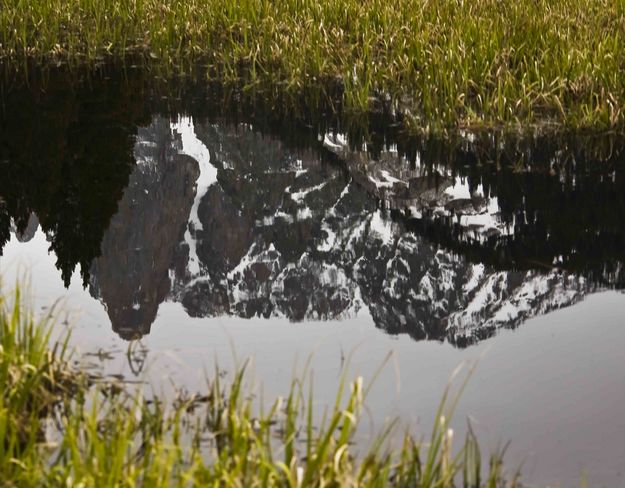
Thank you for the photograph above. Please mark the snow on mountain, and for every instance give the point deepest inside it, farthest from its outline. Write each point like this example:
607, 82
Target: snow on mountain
194, 148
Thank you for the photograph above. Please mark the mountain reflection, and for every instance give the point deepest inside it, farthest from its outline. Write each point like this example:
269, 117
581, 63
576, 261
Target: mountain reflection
287, 234
441, 241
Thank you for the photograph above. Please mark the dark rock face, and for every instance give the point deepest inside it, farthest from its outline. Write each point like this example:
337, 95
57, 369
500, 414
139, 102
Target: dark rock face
131, 276
29, 231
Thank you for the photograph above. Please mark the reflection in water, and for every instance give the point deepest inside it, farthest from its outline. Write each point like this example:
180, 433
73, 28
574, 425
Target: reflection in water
65, 156
439, 240
131, 275
283, 234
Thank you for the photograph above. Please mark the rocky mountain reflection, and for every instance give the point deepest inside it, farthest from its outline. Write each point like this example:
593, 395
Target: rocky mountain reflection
441, 240
131, 276
256, 229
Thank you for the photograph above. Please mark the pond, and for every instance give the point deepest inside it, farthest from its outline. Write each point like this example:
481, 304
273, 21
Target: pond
179, 233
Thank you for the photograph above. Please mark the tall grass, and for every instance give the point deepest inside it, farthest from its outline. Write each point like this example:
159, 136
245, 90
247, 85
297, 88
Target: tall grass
58, 429
447, 63
34, 378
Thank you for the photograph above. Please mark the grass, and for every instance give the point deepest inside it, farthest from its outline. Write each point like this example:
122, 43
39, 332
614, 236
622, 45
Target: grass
447, 64
59, 428
35, 378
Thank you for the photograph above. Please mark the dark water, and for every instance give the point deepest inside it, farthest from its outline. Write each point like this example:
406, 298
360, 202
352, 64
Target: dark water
193, 224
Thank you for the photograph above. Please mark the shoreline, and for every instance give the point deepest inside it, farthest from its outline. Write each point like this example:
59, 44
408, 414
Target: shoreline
444, 65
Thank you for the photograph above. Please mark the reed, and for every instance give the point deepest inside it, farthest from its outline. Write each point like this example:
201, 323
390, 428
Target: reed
447, 64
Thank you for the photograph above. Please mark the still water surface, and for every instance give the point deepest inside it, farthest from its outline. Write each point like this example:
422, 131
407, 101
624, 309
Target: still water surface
197, 235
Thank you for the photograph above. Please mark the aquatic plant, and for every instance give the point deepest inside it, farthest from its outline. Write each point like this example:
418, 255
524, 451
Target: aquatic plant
447, 64
59, 428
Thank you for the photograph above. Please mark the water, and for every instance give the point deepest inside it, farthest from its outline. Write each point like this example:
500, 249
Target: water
194, 232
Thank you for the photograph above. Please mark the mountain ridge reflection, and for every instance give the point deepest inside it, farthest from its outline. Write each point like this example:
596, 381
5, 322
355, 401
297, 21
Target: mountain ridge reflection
442, 243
